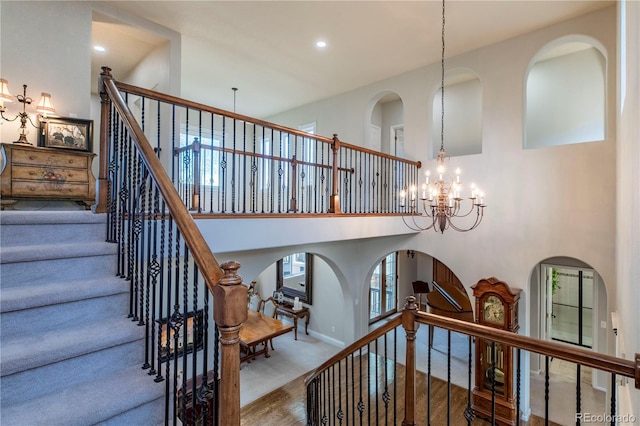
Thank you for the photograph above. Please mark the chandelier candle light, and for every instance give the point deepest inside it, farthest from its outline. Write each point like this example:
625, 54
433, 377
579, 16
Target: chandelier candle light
442, 199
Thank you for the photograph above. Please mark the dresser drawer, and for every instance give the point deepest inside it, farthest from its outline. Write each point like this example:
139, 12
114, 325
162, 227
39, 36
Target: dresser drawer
47, 174
37, 173
31, 157
53, 188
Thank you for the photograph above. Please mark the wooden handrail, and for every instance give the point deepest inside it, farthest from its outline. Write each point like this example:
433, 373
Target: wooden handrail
418, 164
202, 255
195, 105
379, 332
603, 362
198, 106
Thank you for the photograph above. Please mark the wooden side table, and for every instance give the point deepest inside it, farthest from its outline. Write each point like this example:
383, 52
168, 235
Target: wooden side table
288, 311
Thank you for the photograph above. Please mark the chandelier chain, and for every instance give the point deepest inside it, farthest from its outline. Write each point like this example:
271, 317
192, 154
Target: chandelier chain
441, 201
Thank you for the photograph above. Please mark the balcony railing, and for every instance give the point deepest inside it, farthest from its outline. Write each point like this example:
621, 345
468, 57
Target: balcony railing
375, 380
221, 162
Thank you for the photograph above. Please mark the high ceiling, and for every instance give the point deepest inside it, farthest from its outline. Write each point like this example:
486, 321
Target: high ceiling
267, 48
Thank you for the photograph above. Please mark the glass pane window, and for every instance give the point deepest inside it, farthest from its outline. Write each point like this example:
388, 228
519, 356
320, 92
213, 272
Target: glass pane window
383, 288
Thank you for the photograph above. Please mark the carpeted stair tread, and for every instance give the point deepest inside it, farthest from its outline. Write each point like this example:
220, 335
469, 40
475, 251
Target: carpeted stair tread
25, 217
55, 251
25, 352
52, 293
88, 403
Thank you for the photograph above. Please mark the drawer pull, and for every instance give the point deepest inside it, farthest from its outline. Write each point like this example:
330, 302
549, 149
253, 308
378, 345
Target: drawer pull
32, 173
70, 161
32, 157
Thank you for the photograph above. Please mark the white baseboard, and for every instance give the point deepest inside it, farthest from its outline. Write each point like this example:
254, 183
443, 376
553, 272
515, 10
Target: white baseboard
327, 339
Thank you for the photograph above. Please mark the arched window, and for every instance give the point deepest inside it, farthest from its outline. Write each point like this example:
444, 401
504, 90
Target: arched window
565, 96
462, 115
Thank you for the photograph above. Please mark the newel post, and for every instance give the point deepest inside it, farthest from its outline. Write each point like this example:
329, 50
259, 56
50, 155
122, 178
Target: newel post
411, 327
102, 190
229, 312
334, 201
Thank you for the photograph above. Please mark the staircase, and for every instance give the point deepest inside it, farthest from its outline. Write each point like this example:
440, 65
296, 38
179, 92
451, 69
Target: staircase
68, 353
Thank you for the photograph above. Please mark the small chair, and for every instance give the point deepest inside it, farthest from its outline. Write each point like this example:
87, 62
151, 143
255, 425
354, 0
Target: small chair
254, 297
269, 307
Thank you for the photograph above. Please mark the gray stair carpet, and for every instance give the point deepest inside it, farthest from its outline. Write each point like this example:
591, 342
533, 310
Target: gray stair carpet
68, 353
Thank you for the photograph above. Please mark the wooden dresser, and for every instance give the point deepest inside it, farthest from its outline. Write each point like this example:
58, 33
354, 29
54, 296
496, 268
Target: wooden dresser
35, 173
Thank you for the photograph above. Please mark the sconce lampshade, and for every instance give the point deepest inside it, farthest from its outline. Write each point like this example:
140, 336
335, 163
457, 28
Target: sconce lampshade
5, 96
45, 106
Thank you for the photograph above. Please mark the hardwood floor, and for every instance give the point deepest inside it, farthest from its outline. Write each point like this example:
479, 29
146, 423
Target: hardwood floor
286, 405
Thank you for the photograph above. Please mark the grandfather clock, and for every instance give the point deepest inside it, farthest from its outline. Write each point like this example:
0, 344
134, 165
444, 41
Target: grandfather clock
497, 307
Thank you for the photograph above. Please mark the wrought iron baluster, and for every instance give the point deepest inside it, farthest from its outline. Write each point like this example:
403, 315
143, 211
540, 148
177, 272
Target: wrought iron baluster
176, 319
223, 167
173, 144
448, 376
233, 169
161, 288
492, 377
376, 377
429, 379
135, 232
613, 399
254, 177
360, 401
148, 241
385, 394
546, 390
468, 411
216, 371
395, 376
578, 394
369, 381
353, 390
518, 373
185, 316
340, 413
201, 393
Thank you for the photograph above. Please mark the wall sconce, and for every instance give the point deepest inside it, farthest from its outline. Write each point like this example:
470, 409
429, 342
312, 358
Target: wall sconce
43, 108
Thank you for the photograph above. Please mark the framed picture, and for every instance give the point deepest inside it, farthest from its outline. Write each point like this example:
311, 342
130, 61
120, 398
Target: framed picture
173, 344
67, 133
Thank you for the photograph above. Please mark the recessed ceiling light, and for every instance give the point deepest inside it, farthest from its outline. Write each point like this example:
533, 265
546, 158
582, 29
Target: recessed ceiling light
99, 49
321, 43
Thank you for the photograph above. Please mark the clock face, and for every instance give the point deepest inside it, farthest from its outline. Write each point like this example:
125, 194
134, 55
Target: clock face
493, 310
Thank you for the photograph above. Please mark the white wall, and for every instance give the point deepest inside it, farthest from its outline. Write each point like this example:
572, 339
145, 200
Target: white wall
462, 118
47, 46
565, 100
628, 197
541, 203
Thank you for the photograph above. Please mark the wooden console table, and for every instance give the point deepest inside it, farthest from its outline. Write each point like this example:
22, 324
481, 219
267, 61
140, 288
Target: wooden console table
288, 311
36, 173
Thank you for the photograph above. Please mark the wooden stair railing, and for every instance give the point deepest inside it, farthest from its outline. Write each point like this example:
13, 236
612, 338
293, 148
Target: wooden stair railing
163, 255
335, 389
